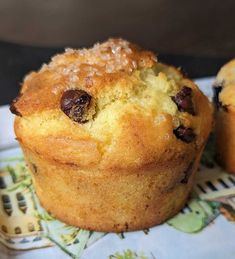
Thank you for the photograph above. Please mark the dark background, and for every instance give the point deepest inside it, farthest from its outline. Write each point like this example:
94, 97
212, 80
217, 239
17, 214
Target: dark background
196, 35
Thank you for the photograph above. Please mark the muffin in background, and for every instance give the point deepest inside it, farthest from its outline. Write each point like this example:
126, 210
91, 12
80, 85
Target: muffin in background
113, 138
224, 99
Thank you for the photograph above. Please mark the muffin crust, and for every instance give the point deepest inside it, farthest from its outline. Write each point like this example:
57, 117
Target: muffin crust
138, 149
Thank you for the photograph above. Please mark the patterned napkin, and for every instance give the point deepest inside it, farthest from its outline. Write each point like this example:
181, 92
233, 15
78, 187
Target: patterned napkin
26, 225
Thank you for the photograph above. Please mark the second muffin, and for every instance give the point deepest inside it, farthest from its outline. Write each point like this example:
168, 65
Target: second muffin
224, 99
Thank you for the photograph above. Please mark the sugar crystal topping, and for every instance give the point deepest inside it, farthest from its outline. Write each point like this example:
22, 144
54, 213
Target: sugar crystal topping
110, 57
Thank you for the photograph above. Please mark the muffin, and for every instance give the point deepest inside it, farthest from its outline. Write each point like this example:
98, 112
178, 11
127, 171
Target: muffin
224, 100
112, 137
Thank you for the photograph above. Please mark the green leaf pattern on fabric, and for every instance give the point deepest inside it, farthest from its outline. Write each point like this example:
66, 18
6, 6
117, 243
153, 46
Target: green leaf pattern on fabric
198, 215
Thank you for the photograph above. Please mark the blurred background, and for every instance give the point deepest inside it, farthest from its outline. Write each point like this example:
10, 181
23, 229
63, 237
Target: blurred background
198, 35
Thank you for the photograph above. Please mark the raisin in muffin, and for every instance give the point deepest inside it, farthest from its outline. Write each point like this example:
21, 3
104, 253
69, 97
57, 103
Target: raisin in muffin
112, 137
224, 99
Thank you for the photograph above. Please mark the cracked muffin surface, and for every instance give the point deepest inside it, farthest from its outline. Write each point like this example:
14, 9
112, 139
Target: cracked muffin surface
130, 93
109, 112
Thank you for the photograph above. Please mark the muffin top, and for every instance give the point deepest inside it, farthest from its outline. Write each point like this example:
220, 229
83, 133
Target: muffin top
113, 105
225, 84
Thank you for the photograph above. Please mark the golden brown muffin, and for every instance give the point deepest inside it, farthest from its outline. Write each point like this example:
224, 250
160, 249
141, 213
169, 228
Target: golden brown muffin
224, 98
112, 137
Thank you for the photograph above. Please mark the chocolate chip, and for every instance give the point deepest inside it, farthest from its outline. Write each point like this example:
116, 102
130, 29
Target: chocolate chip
187, 173
75, 104
185, 134
216, 91
13, 108
183, 100
34, 167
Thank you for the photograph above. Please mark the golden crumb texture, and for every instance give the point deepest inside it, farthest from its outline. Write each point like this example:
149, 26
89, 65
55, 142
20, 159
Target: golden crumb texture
113, 134
134, 113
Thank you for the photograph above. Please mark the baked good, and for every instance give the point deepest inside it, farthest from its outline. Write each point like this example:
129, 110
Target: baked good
224, 99
112, 137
